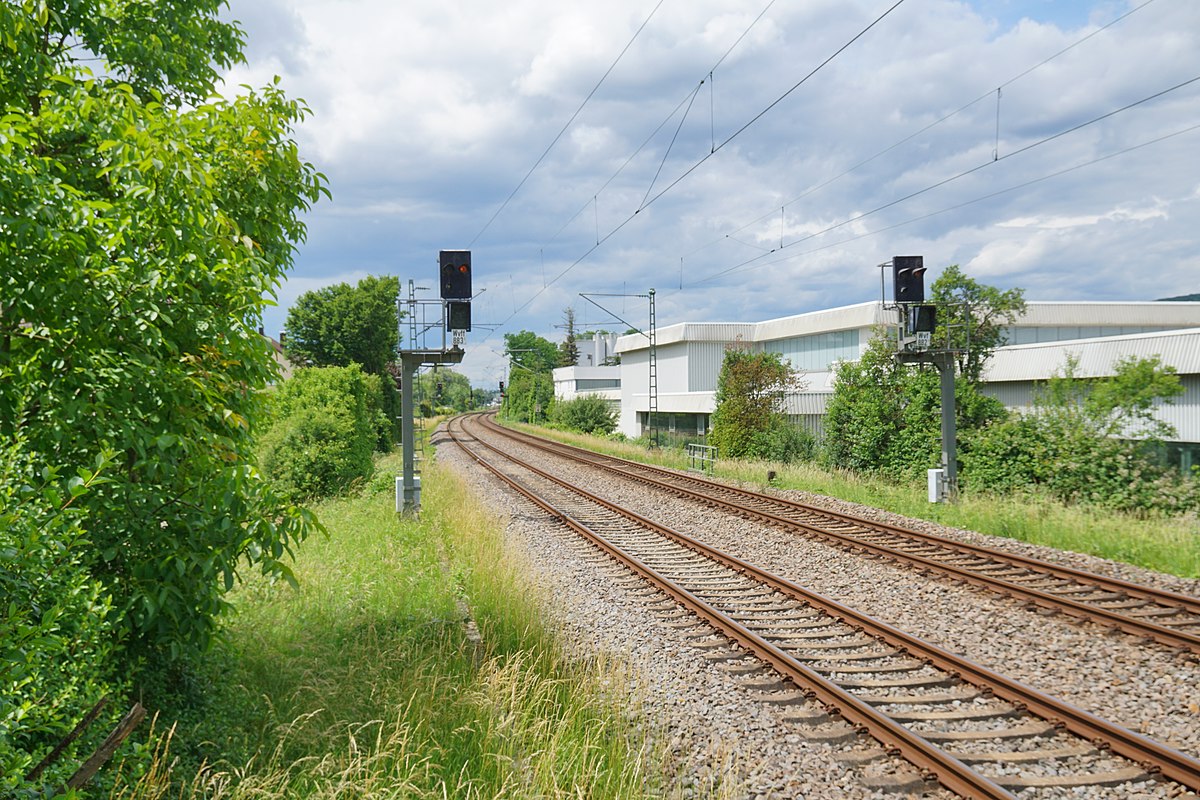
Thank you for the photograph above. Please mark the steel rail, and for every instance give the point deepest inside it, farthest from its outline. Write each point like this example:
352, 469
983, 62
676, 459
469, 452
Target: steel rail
1134, 625
1151, 755
931, 759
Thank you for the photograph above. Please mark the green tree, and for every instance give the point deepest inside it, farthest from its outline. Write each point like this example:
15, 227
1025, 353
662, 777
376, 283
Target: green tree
529, 397
886, 417
749, 400
568, 351
530, 351
444, 391
56, 621
989, 310
145, 225
866, 408
340, 325
530, 392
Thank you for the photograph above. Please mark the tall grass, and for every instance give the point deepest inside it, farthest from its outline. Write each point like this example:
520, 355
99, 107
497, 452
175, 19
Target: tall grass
1165, 544
366, 684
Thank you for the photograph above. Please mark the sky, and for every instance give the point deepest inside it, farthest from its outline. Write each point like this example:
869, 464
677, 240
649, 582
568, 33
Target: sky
746, 159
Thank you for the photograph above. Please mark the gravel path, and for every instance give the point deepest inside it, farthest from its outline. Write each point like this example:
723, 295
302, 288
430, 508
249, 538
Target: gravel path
726, 743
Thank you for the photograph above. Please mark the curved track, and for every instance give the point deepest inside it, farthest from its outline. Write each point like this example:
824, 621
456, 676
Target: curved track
939, 711
1167, 617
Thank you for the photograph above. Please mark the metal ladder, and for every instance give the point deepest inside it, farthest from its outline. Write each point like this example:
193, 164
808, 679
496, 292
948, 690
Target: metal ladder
653, 376
418, 431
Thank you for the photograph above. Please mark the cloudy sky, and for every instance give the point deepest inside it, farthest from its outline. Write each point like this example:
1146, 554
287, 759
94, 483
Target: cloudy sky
747, 159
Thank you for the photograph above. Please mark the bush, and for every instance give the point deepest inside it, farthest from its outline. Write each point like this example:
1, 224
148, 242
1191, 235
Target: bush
1075, 445
57, 622
587, 414
326, 425
783, 442
885, 418
1051, 454
314, 453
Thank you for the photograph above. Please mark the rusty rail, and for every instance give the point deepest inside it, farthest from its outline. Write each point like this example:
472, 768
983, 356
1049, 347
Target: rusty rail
951, 773
1137, 626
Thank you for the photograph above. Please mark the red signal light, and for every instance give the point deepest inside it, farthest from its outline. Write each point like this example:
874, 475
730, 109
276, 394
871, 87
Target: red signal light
456, 274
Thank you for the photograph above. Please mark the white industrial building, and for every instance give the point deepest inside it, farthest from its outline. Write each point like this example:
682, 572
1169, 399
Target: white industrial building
689, 357
596, 371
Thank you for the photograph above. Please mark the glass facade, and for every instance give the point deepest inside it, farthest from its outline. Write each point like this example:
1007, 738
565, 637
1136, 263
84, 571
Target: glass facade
815, 353
1062, 333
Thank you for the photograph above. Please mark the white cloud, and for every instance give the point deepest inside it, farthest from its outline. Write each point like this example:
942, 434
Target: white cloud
1121, 214
427, 115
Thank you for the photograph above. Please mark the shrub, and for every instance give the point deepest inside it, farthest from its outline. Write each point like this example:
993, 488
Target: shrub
587, 414
57, 622
1076, 444
326, 424
885, 418
314, 453
749, 400
783, 442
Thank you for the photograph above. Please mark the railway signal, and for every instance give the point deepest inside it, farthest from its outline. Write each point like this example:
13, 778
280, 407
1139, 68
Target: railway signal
923, 319
458, 315
908, 279
455, 274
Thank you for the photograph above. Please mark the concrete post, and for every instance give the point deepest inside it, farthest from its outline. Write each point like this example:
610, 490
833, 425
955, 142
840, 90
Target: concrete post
407, 376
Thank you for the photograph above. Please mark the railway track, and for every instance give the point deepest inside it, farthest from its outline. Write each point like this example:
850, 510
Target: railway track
1169, 618
975, 732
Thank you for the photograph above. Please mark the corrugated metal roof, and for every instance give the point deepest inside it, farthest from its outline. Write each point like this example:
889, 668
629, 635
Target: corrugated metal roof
1161, 314
689, 332
866, 315
862, 315
1034, 362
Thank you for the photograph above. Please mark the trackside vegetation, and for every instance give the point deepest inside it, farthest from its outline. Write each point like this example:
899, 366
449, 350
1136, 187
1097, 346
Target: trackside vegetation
368, 683
344, 326
146, 224
749, 421
326, 424
587, 413
1159, 542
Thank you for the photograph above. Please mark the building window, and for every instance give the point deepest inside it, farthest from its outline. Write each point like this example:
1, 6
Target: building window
591, 384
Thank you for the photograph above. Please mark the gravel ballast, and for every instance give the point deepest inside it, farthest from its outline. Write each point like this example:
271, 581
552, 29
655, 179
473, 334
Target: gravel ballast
726, 742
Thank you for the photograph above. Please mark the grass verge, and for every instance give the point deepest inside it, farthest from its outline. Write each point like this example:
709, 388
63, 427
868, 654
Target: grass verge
1168, 544
366, 684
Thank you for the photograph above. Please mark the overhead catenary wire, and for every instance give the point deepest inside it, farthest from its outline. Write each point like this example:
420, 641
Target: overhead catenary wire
947, 117
962, 174
773, 103
745, 126
990, 195
553, 142
761, 260
686, 99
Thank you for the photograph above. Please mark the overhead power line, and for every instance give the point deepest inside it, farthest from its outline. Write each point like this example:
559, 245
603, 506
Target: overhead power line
687, 99
773, 103
952, 178
813, 189
550, 146
747, 266
601, 240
